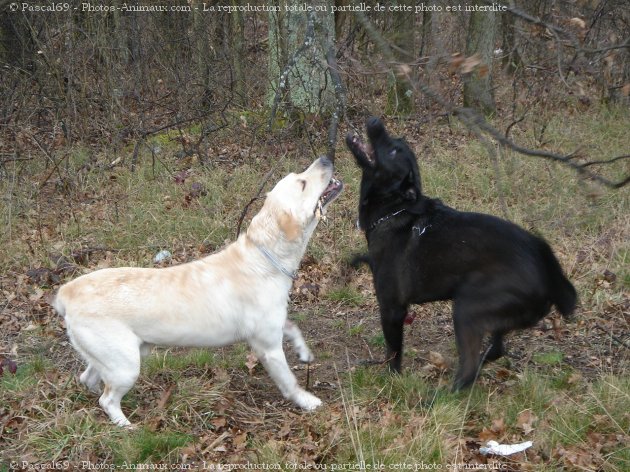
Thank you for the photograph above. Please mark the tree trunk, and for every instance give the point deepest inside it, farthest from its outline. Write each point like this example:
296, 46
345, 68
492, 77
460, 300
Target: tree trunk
14, 47
238, 53
511, 57
303, 79
478, 92
135, 52
432, 44
277, 57
340, 16
308, 84
399, 94
426, 33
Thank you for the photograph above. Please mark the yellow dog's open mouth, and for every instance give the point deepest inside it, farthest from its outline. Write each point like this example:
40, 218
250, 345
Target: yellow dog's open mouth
328, 196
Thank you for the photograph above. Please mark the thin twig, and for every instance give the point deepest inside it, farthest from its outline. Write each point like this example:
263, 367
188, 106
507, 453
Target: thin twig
606, 161
258, 194
340, 99
515, 122
475, 121
144, 134
613, 337
49, 156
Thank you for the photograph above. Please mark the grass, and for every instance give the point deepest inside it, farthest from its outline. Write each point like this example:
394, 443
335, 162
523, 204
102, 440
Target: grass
377, 340
161, 360
147, 446
405, 420
346, 295
204, 404
548, 358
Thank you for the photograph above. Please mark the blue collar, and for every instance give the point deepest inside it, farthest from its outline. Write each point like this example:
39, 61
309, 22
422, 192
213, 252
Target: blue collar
274, 262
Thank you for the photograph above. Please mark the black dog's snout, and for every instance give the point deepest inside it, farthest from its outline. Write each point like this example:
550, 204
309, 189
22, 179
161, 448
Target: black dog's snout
374, 126
325, 161
373, 121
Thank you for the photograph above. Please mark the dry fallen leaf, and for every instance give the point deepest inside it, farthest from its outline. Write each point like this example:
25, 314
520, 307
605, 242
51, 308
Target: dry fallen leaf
219, 422
456, 61
437, 360
36, 295
486, 435
404, 69
240, 440
285, 430
579, 22
576, 458
470, 63
574, 378
483, 70
498, 425
251, 363
165, 397
525, 420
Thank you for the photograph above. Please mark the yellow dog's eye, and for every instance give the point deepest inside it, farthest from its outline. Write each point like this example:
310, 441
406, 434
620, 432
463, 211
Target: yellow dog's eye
303, 182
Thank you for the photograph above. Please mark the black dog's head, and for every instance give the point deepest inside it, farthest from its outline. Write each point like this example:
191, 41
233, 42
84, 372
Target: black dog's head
390, 171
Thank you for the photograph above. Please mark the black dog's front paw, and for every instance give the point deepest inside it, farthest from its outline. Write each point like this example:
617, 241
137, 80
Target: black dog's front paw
393, 368
369, 362
461, 384
492, 354
464, 379
395, 362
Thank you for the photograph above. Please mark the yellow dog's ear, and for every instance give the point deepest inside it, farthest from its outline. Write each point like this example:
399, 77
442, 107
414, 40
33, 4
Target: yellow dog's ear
289, 226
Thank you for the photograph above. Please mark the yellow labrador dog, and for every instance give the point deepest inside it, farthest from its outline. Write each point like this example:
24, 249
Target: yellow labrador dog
114, 316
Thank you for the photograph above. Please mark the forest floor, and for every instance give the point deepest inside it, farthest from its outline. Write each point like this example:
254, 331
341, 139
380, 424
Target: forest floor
564, 384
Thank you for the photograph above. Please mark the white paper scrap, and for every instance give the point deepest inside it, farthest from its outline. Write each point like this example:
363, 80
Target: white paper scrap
493, 447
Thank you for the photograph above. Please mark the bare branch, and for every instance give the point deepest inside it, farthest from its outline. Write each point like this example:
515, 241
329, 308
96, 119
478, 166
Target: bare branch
144, 134
14, 157
340, 99
537, 21
474, 121
557, 31
625, 44
515, 122
606, 161
258, 195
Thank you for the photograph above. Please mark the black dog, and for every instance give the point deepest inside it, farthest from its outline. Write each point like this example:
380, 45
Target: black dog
499, 276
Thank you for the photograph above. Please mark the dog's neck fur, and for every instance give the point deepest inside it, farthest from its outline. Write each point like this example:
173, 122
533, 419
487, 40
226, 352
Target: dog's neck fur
282, 249
276, 263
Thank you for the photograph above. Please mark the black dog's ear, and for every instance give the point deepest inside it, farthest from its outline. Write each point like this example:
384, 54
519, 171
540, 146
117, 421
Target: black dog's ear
412, 184
414, 174
411, 194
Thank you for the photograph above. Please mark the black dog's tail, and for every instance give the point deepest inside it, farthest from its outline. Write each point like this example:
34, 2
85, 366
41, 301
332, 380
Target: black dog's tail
358, 259
562, 292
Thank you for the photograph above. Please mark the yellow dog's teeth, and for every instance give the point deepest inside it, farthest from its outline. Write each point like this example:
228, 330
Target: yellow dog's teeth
319, 212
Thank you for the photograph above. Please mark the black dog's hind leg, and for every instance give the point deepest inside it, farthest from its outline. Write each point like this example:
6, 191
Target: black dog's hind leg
469, 336
392, 319
496, 349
